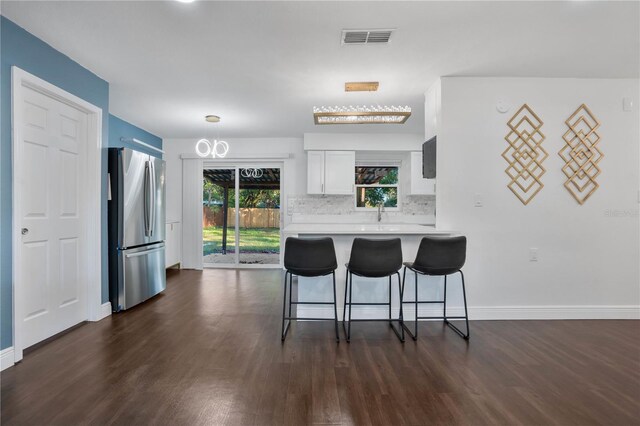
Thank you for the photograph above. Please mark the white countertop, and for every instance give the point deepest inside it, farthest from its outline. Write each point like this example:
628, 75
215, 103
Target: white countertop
363, 229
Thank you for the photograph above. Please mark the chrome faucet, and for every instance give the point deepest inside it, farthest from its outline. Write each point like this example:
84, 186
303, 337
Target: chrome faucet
380, 211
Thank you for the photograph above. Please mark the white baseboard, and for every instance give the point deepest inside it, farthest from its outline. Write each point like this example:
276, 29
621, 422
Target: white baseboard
489, 312
105, 311
6, 358
554, 312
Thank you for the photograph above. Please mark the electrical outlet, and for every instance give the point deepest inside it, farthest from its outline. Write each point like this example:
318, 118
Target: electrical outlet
533, 254
477, 200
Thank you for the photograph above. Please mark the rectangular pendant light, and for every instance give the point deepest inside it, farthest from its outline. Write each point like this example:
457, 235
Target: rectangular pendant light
361, 115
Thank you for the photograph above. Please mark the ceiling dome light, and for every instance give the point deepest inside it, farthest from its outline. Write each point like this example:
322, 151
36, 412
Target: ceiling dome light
211, 118
186, 1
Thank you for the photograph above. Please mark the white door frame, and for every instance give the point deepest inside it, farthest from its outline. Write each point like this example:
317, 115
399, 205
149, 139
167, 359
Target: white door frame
21, 80
237, 165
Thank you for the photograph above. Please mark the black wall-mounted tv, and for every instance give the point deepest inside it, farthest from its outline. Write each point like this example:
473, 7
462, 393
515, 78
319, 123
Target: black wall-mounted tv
429, 159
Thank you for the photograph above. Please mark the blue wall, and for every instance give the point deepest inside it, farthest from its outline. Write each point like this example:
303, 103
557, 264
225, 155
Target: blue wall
20, 48
119, 128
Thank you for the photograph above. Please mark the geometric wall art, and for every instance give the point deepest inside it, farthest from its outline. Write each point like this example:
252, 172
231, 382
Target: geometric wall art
581, 154
525, 154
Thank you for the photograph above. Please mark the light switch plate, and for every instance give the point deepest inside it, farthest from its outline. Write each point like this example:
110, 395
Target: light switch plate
477, 200
533, 254
627, 104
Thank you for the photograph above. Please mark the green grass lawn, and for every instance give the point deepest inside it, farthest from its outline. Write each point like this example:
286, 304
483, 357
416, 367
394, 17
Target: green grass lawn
252, 240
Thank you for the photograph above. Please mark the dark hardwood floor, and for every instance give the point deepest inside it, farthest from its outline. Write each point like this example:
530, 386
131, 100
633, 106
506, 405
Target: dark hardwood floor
208, 351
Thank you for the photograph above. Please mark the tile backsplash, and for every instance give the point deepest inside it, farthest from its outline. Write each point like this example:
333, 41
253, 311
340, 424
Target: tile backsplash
413, 208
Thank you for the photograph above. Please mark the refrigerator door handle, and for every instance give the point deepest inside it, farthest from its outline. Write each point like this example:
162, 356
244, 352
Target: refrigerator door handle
147, 194
152, 201
143, 253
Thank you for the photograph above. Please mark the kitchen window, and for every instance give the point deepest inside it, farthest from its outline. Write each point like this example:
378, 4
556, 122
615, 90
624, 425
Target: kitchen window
375, 186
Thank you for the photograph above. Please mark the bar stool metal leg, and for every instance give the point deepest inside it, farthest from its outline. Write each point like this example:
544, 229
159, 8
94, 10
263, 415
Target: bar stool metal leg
350, 300
466, 314
290, 292
402, 302
399, 334
414, 334
390, 301
284, 307
344, 308
400, 314
444, 303
335, 307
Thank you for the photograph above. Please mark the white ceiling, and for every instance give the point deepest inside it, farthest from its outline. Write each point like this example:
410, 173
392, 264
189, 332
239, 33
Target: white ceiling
262, 66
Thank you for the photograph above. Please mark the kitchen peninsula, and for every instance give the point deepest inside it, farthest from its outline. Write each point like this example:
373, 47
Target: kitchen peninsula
369, 290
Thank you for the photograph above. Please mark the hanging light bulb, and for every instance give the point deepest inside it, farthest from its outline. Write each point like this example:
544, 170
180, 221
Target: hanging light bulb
216, 149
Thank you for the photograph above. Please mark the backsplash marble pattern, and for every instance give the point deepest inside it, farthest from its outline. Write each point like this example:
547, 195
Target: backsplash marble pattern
336, 205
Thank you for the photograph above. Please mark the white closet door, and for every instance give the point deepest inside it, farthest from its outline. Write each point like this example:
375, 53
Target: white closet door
51, 216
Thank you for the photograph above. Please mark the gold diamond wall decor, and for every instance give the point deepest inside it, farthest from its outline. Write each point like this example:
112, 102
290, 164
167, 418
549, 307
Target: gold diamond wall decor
525, 154
581, 154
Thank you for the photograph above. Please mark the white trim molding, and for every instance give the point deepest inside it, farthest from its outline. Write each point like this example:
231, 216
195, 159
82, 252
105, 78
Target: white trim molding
105, 311
244, 157
490, 313
20, 80
144, 144
6, 358
558, 312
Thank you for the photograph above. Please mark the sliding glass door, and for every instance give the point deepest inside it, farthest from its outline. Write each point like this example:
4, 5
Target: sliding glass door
218, 229
259, 216
242, 230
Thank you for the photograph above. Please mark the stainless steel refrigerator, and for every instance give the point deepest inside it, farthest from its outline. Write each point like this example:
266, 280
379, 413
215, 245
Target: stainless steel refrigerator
136, 210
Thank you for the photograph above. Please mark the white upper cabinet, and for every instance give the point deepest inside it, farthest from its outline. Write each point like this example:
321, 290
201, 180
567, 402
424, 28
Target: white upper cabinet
420, 185
339, 172
331, 172
315, 172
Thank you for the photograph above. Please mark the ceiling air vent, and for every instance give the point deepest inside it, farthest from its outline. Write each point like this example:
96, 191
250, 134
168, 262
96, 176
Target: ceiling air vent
366, 36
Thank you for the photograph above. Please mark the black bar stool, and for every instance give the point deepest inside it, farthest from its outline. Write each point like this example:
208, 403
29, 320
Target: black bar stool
373, 259
438, 256
314, 257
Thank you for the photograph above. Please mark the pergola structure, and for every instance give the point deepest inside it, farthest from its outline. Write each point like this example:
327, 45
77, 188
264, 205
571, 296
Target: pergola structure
371, 175
225, 178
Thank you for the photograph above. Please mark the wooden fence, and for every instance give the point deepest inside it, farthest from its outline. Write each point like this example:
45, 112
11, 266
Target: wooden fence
249, 218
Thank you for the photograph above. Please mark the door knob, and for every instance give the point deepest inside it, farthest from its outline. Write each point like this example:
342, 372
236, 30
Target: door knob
24, 231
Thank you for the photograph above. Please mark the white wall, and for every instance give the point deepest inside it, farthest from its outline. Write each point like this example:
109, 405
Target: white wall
588, 255
432, 110
363, 141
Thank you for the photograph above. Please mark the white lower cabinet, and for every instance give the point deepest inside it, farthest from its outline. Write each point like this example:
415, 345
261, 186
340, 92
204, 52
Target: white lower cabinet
173, 252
